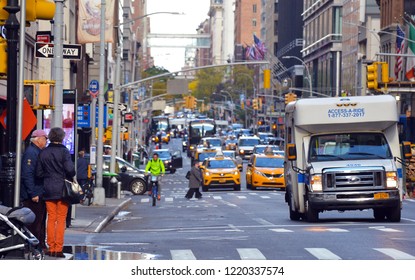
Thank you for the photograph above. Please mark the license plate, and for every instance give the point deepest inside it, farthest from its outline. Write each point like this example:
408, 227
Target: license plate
222, 181
381, 195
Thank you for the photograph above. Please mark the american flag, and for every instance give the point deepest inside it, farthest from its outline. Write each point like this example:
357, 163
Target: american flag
400, 44
259, 48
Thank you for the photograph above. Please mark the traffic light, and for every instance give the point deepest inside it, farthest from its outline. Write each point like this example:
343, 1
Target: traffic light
194, 102
274, 126
40, 9
267, 78
3, 57
260, 103
372, 76
186, 101
255, 104
35, 9
4, 15
385, 72
290, 97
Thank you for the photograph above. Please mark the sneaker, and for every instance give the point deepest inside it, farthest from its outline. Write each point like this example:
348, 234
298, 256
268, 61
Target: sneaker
158, 197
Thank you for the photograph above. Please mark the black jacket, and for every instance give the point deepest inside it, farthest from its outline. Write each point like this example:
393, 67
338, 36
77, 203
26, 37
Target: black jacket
31, 186
82, 168
54, 166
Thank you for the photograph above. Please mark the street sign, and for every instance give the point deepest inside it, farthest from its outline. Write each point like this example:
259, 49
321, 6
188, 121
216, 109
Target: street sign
128, 117
45, 50
123, 129
121, 107
43, 36
94, 86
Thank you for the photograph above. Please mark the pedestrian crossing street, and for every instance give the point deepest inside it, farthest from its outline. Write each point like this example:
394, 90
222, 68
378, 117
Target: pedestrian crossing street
316, 253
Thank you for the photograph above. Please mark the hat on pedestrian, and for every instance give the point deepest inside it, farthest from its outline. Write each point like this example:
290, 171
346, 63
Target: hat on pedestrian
39, 133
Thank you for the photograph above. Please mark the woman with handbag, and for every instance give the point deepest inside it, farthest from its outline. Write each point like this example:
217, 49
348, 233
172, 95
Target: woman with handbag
195, 180
54, 166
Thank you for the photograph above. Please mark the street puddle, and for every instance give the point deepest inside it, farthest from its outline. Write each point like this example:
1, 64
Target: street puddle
104, 253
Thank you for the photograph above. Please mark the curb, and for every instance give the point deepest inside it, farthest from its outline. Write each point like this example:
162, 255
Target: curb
111, 216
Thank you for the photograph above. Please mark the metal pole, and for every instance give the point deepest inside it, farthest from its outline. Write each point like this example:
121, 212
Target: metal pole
115, 130
99, 191
8, 172
20, 105
58, 63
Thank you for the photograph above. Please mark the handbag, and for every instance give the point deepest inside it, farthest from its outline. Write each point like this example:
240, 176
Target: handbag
188, 175
72, 192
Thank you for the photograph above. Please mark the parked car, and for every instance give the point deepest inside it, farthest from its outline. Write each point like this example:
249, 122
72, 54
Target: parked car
171, 160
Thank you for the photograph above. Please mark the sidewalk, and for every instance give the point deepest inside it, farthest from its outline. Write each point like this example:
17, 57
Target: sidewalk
93, 218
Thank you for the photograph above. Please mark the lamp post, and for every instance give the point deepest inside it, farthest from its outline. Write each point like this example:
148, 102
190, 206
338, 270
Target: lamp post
99, 192
232, 104
306, 68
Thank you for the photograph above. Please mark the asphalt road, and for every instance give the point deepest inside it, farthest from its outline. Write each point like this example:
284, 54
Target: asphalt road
234, 225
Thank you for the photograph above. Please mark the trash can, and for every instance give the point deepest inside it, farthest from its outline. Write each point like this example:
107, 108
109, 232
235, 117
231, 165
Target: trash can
136, 159
108, 184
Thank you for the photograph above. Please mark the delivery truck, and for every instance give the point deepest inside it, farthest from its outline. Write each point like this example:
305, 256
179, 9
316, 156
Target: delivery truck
343, 153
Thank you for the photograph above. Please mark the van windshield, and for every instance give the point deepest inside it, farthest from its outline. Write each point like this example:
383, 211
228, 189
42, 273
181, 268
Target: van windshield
349, 146
248, 142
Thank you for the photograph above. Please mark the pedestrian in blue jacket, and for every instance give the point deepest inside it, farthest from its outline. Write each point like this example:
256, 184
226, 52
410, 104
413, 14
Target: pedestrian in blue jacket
32, 190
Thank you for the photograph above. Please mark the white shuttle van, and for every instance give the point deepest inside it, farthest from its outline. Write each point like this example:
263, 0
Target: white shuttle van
343, 153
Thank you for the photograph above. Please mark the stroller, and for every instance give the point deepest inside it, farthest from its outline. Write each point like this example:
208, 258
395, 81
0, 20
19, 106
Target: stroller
16, 241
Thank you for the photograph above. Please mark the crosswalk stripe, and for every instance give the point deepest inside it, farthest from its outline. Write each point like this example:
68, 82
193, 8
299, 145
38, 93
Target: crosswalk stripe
143, 200
250, 254
169, 199
385, 229
182, 255
241, 197
265, 196
322, 254
337, 230
280, 230
217, 197
395, 254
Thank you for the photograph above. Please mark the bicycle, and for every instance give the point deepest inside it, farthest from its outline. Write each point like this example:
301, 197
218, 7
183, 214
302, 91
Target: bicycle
88, 189
155, 181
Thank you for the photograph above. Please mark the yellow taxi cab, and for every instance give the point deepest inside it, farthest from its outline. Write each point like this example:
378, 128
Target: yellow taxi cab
203, 153
220, 172
265, 171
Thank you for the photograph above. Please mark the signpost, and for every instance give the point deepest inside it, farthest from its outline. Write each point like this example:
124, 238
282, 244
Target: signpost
45, 50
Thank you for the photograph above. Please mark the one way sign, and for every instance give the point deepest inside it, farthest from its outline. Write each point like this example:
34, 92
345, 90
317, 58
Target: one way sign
43, 50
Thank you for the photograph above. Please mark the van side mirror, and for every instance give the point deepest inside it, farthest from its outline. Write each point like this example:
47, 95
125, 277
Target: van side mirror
291, 152
406, 150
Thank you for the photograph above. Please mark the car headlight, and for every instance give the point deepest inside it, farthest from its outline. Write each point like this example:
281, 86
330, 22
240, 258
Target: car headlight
241, 151
207, 173
166, 161
259, 172
235, 172
316, 183
391, 180
192, 148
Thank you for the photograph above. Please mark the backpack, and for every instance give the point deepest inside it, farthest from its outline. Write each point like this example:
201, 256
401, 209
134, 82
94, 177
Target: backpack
188, 175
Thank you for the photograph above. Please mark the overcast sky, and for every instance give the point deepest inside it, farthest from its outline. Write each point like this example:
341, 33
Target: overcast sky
195, 12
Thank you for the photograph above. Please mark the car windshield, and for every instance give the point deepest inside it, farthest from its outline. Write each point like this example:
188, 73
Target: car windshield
261, 149
164, 154
248, 142
231, 141
221, 164
230, 154
214, 142
204, 156
349, 146
269, 162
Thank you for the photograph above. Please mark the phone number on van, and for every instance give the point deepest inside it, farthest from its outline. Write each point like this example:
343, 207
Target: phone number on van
346, 113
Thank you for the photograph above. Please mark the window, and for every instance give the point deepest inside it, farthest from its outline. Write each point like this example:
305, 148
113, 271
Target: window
254, 22
254, 8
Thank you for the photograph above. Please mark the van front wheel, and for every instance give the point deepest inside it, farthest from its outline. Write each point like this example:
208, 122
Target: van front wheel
311, 215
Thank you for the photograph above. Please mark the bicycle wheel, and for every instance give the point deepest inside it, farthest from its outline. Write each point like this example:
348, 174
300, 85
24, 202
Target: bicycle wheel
154, 195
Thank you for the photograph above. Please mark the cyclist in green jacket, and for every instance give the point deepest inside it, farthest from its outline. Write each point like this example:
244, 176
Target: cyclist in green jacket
156, 167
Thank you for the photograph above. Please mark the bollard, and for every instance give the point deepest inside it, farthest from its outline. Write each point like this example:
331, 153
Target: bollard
119, 190
113, 186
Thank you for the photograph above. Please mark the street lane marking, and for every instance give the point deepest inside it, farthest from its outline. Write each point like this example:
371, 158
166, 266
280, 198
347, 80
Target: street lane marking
250, 254
241, 197
395, 254
322, 254
280, 230
182, 255
265, 196
337, 230
385, 229
143, 200
169, 199
217, 197
263, 222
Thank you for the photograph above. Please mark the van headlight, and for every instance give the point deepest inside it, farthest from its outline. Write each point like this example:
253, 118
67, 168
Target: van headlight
391, 180
316, 183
